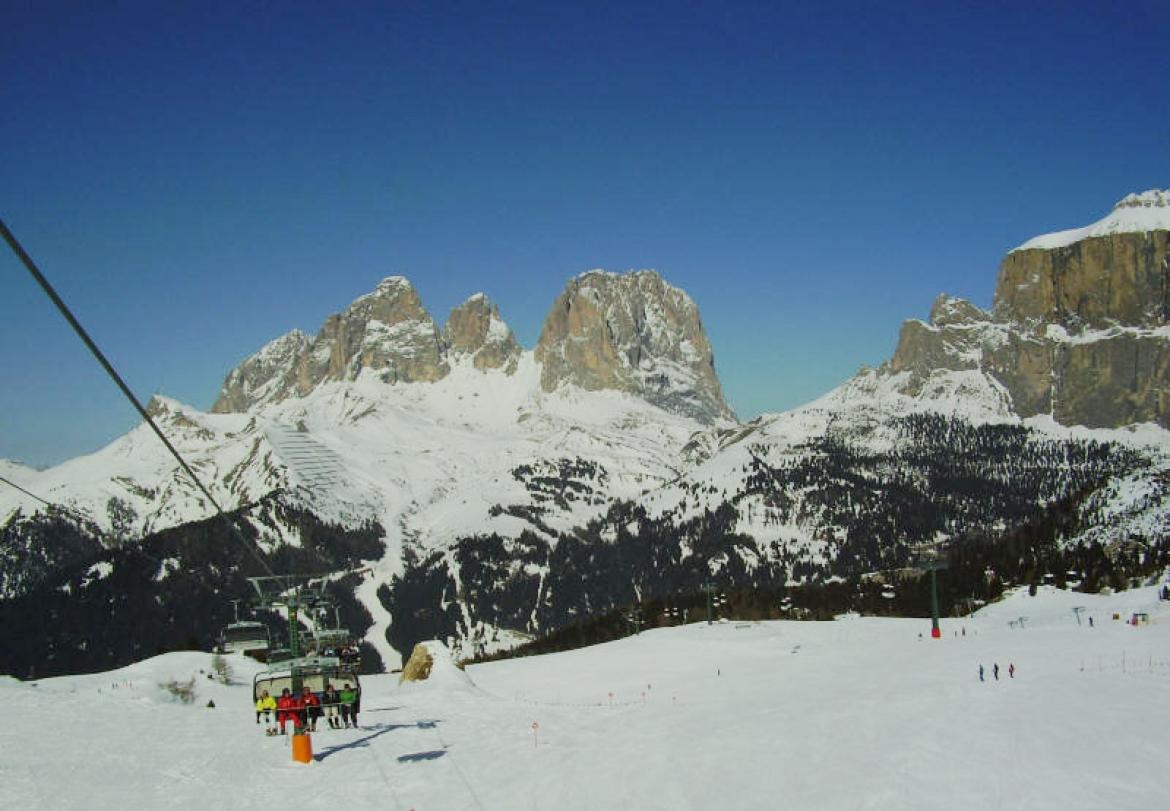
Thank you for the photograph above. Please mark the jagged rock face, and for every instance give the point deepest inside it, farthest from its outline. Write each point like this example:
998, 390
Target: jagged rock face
1119, 380
634, 333
387, 331
1080, 326
1091, 284
268, 374
952, 340
475, 329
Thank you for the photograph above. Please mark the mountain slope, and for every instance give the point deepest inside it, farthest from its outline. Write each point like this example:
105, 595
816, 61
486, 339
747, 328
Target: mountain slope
516, 491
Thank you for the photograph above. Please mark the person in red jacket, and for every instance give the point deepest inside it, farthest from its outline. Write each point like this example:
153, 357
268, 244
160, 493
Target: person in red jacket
285, 710
312, 708
298, 714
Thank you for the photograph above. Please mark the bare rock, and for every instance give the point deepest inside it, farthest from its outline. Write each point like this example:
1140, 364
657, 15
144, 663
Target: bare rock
475, 329
635, 333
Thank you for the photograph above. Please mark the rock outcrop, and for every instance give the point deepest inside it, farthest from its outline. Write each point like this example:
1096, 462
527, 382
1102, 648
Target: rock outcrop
628, 332
634, 333
474, 329
387, 331
1079, 328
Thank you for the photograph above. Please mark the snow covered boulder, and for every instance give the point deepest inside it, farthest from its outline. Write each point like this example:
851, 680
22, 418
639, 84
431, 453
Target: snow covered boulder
431, 662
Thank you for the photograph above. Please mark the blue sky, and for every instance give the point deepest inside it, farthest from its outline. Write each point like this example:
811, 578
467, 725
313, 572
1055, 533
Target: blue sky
200, 179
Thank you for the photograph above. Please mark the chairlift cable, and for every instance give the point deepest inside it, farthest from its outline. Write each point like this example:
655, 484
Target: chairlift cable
30, 265
136, 548
74, 515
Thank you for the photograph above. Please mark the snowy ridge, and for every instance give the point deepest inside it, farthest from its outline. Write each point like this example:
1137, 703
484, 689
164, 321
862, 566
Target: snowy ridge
427, 460
1135, 213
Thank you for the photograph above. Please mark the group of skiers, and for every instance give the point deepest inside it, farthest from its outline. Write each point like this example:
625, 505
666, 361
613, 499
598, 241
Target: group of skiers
339, 708
995, 671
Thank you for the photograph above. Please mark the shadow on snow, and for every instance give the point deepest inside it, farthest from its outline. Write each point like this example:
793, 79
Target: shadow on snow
378, 731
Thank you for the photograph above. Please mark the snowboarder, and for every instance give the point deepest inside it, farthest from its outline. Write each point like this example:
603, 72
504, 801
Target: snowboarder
1011, 670
266, 705
980, 672
995, 670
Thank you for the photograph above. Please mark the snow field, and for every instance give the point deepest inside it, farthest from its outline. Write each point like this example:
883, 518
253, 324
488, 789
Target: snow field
856, 713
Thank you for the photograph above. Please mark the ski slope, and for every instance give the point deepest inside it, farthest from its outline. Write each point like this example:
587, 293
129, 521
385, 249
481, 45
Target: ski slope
859, 713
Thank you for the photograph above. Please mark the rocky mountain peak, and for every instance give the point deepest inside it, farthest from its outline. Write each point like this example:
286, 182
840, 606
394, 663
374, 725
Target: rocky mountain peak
629, 332
951, 311
1078, 328
387, 331
1137, 213
635, 333
1154, 198
476, 329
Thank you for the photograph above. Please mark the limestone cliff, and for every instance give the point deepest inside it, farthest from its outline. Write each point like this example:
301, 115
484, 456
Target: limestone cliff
386, 331
1079, 328
635, 333
474, 329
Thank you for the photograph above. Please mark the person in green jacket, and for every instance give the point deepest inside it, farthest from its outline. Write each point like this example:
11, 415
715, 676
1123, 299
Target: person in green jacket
349, 705
266, 705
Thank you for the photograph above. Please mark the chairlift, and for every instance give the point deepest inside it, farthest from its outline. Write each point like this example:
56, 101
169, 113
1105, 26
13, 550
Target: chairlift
332, 637
314, 672
245, 636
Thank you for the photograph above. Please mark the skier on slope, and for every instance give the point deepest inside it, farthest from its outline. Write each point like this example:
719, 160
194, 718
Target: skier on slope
995, 670
980, 672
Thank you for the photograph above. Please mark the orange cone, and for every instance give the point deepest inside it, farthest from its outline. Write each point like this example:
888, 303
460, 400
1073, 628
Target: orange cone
302, 748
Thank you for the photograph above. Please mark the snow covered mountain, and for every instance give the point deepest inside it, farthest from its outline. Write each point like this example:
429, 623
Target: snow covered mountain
511, 491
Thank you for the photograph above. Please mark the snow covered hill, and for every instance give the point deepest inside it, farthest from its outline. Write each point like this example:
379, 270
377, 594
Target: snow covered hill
855, 713
1133, 214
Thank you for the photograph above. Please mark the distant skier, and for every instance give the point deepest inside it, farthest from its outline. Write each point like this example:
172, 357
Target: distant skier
995, 670
1011, 670
980, 672
1090, 622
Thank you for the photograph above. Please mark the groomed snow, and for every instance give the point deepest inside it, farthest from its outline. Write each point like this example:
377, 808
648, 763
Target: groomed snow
1136, 213
856, 713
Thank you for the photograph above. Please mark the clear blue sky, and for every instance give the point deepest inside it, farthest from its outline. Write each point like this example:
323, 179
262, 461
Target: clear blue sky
200, 179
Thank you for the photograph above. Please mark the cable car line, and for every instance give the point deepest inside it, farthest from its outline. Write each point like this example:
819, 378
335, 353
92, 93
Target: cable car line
30, 265
286, 583
90, 525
